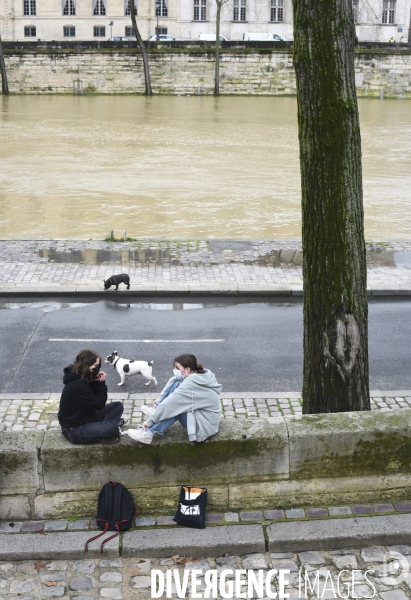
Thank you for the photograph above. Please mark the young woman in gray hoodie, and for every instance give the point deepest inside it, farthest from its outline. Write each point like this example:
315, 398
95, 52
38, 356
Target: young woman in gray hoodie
195, 402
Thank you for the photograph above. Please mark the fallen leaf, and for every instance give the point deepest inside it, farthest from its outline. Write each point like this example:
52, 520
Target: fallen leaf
135, 572
182, 560
179, 560
51, 583
40, 565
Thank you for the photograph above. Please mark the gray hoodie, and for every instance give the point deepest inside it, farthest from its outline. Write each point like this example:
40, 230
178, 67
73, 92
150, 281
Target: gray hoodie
198, 395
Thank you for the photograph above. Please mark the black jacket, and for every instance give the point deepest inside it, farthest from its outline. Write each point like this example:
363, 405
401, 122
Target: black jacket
80, 400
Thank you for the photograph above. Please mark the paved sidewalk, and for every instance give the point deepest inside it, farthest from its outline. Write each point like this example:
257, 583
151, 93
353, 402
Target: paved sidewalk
183, 266
20, 412
130, 578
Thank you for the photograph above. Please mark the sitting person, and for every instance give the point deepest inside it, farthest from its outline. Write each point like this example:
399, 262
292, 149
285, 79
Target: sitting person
191, 396
84, 415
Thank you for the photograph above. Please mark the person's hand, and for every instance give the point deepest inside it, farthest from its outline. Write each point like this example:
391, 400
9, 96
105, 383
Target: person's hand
101, 376
155, 402
144, 425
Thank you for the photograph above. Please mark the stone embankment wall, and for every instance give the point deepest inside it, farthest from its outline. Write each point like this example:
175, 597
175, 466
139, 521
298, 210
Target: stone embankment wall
317, 460
188, 70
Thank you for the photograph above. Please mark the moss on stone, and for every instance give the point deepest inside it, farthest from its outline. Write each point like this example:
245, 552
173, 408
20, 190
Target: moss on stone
190, 455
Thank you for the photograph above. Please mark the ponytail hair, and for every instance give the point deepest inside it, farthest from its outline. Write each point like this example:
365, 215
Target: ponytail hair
189, 361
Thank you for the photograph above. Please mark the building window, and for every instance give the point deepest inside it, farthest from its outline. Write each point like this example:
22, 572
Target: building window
69, 31
161, 8
99, 31
29, 7
69, 7
388, 12
127, 8
277, 10
355, 10
129, 32
99, 8
162, 31
30, 32
239, 10
200, 10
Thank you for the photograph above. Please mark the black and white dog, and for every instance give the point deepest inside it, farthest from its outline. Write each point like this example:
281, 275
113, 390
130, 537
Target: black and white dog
116, 280
126, 368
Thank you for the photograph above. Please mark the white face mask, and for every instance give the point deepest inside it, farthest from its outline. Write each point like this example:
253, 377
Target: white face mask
177, 374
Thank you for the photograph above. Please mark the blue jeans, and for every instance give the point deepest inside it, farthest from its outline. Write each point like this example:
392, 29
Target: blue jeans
162, 426
105, 425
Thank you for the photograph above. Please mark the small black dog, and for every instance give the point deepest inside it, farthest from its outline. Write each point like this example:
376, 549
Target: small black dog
116, 280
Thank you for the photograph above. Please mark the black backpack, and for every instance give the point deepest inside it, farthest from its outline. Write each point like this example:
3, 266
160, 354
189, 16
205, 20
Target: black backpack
115, 511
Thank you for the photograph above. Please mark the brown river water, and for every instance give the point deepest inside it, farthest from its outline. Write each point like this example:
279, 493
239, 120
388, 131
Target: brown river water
181, 167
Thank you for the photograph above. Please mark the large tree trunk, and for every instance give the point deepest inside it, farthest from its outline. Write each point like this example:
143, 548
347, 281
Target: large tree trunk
143, 49
4, 84
334, 267
217, 49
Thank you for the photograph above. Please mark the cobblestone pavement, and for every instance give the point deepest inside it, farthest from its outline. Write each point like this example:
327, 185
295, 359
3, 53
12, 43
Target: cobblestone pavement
54, 263
378, 572
39, 411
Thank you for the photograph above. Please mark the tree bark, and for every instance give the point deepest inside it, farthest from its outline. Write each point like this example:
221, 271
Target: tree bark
334, 264
147, 79
217, 49
4, 83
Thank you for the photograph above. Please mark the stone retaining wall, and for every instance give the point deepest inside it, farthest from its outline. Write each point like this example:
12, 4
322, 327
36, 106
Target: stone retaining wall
321, 460
260, 71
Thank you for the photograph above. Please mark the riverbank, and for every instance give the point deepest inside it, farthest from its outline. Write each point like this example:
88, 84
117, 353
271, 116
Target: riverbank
181, 267
382, 70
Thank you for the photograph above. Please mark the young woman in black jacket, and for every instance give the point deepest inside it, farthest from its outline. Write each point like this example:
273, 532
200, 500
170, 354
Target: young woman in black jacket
84, 415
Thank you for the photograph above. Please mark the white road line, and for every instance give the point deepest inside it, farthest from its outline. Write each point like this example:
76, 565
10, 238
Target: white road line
134, 341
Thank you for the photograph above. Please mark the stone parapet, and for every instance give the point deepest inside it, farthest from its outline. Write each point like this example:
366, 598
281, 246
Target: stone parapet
314, 459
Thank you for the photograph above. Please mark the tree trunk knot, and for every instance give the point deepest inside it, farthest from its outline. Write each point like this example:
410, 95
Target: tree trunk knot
341, 344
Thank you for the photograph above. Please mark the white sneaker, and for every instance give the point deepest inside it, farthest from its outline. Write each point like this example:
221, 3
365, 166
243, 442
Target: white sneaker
147, 410
140, 435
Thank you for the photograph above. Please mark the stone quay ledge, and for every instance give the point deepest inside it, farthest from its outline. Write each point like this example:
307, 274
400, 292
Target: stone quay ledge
251, 464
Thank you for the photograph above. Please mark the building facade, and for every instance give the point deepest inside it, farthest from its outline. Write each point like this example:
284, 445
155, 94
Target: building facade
45, 20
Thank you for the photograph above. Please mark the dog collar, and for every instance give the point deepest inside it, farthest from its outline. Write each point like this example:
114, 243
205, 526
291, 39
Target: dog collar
115, 362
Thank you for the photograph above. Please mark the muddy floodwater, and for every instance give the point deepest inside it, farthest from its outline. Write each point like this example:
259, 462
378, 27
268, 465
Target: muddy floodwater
178, 167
